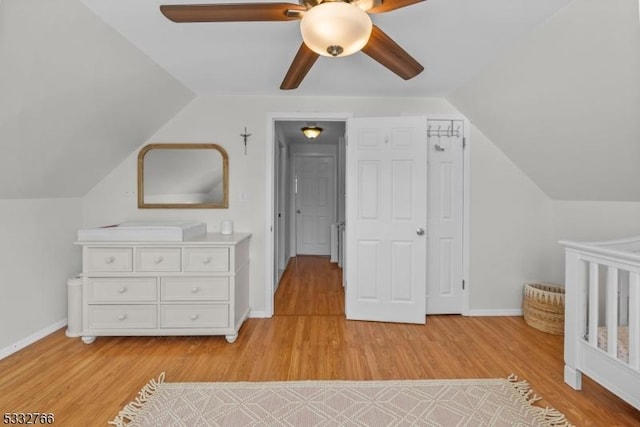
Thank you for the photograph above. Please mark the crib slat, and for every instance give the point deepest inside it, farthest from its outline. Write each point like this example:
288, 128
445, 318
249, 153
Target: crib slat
612, 311
593, 303
575, 315
634, 320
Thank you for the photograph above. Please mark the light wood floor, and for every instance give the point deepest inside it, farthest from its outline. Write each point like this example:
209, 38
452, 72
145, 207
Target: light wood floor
308, 338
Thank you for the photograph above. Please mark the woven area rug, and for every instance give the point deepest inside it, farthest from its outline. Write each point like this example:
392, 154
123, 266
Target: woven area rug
485, 402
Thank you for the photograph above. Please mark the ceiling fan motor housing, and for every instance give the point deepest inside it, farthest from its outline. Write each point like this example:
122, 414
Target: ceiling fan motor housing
335, 50
362, 4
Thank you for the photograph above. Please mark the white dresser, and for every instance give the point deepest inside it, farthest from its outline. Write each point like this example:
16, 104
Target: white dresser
198, 286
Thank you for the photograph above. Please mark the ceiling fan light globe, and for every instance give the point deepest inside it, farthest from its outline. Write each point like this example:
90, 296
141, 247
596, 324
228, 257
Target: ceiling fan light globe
332, 24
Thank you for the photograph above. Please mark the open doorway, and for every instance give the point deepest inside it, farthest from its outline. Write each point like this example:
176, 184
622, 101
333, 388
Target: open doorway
309, 189
445, 143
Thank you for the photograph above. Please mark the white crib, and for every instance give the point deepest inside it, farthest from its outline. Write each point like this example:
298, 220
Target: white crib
602, 316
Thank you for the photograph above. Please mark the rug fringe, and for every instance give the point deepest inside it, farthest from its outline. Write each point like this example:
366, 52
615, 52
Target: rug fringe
131, 410
549, 416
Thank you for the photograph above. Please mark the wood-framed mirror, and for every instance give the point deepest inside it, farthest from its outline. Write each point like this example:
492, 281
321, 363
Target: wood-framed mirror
183, 176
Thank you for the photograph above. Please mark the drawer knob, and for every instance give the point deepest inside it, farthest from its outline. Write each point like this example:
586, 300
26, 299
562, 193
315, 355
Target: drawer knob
158, 260
109, 260
194, 317
207, 260
122, 290
195, 290
122, 316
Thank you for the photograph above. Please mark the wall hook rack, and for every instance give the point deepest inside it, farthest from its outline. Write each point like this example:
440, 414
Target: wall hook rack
447, 131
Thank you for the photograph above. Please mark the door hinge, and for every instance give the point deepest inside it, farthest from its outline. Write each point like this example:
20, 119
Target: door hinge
464, 142
463, 285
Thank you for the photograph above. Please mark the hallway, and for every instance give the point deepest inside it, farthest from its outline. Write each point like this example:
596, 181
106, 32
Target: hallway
311, 285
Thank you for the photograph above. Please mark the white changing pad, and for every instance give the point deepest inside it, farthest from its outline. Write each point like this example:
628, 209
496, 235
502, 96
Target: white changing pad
137, 231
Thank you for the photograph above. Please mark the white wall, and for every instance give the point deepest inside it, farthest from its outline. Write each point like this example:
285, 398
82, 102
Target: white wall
37, 256
510, 216
515, 229
76, 97
564, 104
591, 221
221, 120
511, 230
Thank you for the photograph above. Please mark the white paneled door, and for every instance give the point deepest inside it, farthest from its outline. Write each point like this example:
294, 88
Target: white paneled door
314, 203
386, 245
445, 183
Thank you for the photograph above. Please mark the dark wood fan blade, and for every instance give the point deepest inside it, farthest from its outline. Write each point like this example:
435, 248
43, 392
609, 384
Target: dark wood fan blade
388, 5
387, 52
302, 63
231, 12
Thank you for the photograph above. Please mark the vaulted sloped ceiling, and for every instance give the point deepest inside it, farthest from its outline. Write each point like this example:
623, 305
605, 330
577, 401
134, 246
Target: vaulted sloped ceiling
565, 104
453, 39
75, 98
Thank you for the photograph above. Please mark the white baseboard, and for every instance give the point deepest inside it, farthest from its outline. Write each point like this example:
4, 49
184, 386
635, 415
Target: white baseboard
492, 312
254, 314
13, 348
496, 312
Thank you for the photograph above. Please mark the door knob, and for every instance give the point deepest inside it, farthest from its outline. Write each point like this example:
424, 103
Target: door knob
298, 211
420, 231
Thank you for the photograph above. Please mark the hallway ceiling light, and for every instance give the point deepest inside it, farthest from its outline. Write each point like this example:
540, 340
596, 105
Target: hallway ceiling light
311, 132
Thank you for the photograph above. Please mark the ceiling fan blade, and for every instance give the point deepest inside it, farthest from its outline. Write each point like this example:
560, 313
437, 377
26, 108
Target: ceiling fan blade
232, 12
381, 6
388, 53
302, 63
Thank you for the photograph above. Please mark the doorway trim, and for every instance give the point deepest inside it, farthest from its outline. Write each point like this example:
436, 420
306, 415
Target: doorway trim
270, 193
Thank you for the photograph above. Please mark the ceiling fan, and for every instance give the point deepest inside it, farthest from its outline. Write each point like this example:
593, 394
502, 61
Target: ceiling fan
329, 27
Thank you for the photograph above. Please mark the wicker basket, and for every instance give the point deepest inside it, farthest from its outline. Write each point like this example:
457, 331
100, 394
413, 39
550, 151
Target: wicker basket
543, 307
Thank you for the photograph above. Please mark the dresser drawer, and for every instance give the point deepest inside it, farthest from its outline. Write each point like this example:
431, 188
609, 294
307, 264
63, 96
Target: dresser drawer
158, 259
194, 316
122, 316
109, 259
119, 290
206, 259
194, 288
